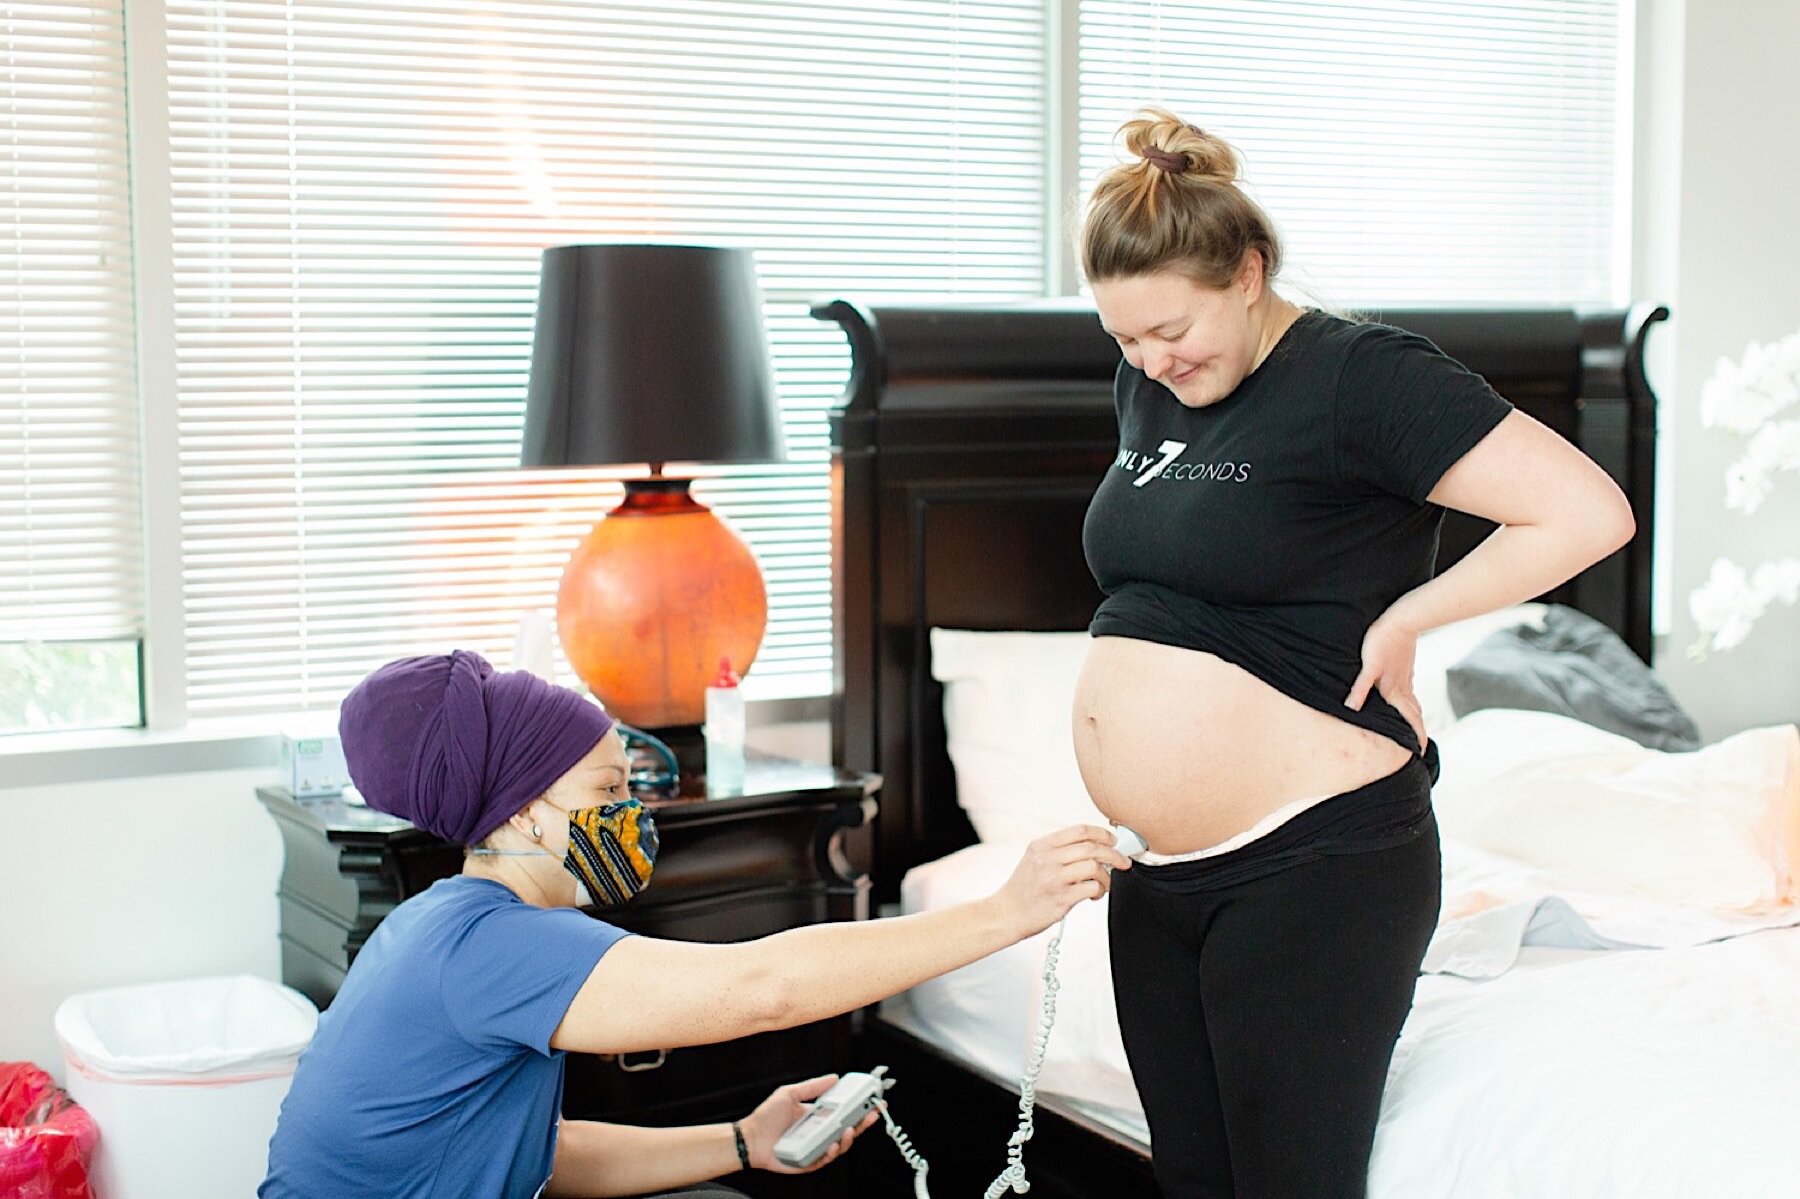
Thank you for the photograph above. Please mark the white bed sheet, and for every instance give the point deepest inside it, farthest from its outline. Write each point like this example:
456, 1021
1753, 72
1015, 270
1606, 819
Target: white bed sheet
1666, 1072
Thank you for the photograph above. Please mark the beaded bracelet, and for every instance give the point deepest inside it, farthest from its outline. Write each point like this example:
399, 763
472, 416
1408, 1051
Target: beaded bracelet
737, 1134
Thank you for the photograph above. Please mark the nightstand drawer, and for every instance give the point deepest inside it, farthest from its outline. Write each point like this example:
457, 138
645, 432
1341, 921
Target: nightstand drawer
739, 916
700, 1083
304, 970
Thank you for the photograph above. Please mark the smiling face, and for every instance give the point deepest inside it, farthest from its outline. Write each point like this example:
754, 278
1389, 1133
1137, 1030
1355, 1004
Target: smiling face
1199, 342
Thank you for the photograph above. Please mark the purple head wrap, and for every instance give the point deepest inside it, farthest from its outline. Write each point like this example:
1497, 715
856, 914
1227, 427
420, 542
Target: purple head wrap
456, 747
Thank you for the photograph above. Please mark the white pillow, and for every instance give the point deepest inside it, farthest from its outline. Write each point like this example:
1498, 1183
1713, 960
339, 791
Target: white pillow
1008, 706
1440, 649
1716, 828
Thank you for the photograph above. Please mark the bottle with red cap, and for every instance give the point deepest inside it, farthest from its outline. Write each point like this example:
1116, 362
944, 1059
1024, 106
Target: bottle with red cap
725, 733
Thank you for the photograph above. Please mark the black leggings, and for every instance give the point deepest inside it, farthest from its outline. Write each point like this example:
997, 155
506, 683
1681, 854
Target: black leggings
1260, 992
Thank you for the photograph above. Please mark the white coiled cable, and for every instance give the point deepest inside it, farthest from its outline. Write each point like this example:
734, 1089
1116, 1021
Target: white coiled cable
1013, 1177
913, 1157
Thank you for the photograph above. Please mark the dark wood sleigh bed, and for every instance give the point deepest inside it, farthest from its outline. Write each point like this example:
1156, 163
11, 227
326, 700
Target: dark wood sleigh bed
964, 455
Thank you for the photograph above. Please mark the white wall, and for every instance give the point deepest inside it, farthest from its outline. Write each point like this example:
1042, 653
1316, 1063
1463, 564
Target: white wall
1720, 244
122, 881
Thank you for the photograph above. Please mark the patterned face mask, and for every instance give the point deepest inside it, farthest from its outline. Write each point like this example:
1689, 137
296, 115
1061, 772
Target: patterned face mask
612, 851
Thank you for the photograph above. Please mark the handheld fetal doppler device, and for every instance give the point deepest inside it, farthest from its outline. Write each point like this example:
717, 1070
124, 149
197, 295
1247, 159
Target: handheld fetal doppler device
855, 1095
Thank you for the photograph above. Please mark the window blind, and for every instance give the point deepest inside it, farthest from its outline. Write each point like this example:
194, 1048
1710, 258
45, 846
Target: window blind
360, 195
1409, 151
70, 528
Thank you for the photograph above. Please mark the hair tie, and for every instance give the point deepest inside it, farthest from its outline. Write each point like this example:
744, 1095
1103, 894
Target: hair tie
1169, 160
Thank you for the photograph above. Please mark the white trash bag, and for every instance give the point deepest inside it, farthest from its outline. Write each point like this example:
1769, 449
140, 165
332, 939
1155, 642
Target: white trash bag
184, 1079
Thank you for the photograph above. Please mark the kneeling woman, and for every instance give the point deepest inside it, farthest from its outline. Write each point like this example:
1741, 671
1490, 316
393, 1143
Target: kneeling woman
438, 1069
1265, 540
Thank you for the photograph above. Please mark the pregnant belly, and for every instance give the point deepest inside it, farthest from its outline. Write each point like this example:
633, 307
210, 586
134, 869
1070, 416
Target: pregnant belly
1190, 750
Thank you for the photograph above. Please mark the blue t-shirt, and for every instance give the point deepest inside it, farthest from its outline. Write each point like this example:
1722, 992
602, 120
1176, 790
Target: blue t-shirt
431, 1074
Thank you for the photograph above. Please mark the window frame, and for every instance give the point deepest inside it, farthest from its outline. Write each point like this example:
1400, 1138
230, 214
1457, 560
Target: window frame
169, 742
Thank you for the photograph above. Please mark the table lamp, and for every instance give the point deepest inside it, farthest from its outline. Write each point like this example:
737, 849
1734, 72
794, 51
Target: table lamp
652, 354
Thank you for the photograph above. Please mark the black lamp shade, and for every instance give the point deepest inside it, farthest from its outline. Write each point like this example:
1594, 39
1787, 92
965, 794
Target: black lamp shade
649, 353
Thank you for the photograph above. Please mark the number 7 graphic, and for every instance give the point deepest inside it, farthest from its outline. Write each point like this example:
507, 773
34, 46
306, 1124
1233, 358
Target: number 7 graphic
1170, 450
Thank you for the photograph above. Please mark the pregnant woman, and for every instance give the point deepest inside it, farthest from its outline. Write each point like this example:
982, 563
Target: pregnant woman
1265, 540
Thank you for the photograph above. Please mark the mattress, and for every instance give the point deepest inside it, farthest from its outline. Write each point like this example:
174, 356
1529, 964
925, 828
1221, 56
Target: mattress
1643, 1072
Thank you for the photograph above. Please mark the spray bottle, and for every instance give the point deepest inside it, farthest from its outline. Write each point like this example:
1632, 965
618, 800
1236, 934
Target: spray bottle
725, 733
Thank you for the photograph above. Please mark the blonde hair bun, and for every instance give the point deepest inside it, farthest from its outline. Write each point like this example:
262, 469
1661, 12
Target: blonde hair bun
1166, 142
1177, 206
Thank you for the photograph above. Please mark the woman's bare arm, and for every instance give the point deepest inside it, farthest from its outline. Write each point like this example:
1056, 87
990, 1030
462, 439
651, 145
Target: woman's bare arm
1558, 512
647, 993
594, 1160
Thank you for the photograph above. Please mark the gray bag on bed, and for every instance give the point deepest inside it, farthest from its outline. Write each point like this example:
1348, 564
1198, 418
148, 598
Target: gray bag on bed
1573, 666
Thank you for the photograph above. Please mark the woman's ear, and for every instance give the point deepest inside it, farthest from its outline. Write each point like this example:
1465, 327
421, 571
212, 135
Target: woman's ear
1250, 276
527, 822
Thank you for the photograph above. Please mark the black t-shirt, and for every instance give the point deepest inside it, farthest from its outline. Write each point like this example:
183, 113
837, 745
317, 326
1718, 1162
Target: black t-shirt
1272, 527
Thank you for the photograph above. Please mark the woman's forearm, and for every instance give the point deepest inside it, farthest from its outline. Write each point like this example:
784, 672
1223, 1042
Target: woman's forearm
809, 974
1514, 564
824, 969
647, 993
594, 1159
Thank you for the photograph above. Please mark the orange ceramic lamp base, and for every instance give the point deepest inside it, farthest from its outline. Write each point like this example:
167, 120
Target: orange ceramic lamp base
652, 598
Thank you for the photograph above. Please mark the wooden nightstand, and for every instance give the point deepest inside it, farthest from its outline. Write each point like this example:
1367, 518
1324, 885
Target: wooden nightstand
766, 857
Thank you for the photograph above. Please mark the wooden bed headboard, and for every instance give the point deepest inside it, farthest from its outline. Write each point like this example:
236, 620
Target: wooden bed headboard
971, 438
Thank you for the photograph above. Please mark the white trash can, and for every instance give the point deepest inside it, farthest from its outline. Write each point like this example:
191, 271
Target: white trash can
184, 1080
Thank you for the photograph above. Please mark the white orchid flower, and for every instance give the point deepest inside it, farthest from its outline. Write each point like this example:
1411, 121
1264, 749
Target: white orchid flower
1740, 397
1731, 600
1748, 397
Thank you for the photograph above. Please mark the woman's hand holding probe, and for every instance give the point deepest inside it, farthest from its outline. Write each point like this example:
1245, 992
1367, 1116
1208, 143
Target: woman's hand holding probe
776, 1114
1058, 871
1388, 650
